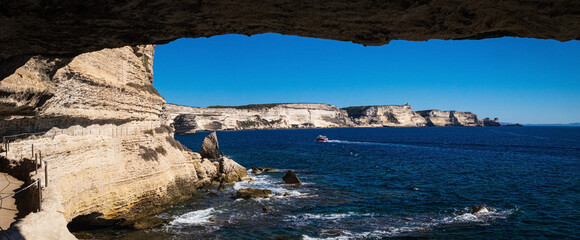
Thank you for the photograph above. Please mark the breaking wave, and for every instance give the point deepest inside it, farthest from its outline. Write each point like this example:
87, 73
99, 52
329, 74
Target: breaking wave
199, 217
342, 226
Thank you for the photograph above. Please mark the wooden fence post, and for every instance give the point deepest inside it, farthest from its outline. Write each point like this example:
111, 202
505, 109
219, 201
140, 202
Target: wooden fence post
36, 164
45, 174
39, 185
32, 151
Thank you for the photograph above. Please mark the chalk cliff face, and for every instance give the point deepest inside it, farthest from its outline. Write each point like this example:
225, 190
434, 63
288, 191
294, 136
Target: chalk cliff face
97, 122
268, 116
280, 116
385, 116
108, 86
449, 118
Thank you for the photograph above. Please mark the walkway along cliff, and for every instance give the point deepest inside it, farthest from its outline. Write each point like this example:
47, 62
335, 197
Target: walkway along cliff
96, 121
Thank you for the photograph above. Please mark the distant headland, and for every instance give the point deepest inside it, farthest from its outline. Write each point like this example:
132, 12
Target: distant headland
312, 115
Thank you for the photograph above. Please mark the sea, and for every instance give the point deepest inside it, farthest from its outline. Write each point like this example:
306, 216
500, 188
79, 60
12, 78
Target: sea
389, 183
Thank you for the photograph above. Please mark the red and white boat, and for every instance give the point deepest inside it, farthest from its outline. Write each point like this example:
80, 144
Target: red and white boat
321, 138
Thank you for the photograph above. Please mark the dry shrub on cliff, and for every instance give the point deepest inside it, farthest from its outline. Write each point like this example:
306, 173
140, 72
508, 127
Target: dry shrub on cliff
148, 153
160, 149
164, 129
148, 131
176, 144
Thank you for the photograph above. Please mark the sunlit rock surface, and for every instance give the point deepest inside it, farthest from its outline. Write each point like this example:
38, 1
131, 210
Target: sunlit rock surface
281, 116
385, 116
263, 116
449, 118
96, 120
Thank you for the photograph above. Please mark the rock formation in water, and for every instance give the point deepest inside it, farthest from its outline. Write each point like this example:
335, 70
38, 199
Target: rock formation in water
291, 178
248, 193
264, 116
210, 147
385, 116
230, 171
490, 123
96, 120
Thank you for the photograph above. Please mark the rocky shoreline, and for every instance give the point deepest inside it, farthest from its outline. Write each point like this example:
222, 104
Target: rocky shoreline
187, 120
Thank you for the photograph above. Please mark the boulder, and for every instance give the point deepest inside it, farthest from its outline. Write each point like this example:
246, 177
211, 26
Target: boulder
230, 171
481, 209
291, 178
256, 171
210, 147
253, 193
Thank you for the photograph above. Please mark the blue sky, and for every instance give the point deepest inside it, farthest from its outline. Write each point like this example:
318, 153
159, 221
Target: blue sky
514, 79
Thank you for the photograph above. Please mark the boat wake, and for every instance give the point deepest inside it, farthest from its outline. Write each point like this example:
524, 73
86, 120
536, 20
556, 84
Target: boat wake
381, 144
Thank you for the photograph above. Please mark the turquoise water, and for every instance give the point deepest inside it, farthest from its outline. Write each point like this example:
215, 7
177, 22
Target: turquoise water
393, 183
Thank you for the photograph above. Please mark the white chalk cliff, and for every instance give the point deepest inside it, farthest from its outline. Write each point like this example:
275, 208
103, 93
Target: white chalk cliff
267, 116
96, 118
309, 115
385, 116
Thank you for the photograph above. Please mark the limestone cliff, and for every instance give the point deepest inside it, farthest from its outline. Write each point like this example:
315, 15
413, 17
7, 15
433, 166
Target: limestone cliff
449, 118
96, 119
266, 116
300, 115
109, 86
385, 116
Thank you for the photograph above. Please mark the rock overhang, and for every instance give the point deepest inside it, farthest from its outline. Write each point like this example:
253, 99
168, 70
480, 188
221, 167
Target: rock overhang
68, 27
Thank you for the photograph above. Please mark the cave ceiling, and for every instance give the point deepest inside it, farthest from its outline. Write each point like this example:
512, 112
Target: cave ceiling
67, 28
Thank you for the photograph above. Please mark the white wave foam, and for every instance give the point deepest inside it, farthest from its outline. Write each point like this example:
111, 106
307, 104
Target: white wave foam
399, 227
364, 235
199, 217
332, 216
466, 217
381, 144
264, 181
483, 215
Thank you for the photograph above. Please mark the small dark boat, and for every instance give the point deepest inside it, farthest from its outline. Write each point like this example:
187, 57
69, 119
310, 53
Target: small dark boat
321, 138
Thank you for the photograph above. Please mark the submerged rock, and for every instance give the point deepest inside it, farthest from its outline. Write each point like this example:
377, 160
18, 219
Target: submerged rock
253, 193
210, 147
265, 169
148, 222
291, 178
